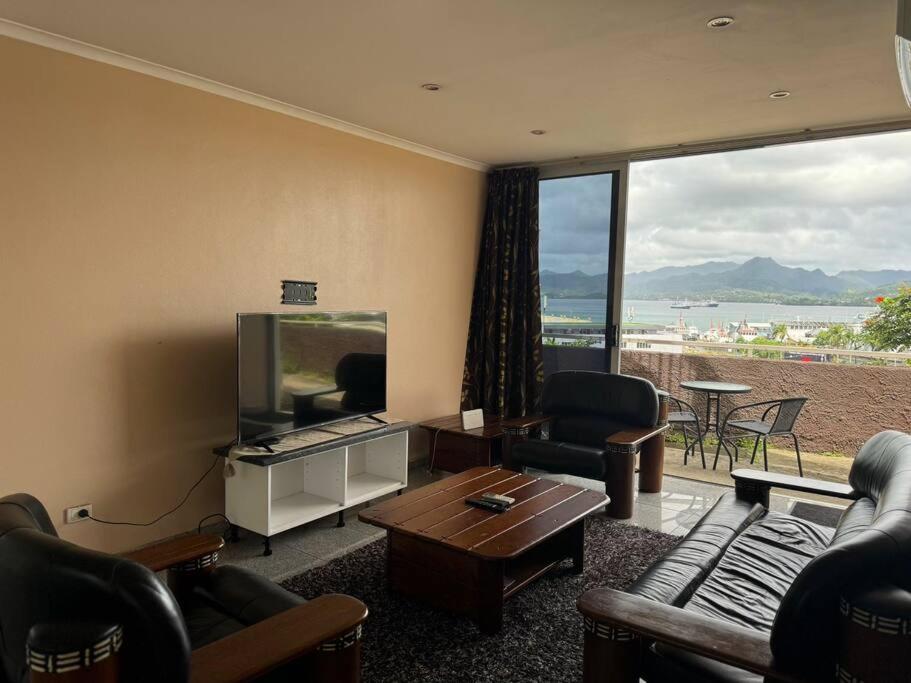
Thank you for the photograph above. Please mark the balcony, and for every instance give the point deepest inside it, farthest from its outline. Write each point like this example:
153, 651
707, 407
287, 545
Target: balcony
852, 395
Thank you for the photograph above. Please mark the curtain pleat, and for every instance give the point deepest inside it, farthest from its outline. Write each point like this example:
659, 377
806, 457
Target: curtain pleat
504, 370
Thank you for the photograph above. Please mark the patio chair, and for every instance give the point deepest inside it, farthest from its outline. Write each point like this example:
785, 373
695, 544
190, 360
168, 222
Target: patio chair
686, 418
782, 425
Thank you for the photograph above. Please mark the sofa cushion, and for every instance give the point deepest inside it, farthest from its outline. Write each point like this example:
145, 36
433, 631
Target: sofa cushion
243, 595
674, 578
586, 430
558, 456
744, 587
756, 570
205, 623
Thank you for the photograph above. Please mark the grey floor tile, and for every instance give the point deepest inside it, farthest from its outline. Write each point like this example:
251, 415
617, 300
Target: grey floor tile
329, 541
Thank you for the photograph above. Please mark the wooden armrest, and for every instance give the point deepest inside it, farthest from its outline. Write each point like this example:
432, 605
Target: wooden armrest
525, 422
176, 551
757, 478
635, 436
269, 644
691, 631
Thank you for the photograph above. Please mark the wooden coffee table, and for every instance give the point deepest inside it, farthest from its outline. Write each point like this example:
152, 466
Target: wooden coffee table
469, 560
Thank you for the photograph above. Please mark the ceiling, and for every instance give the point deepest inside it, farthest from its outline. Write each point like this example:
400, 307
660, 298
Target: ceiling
598, 76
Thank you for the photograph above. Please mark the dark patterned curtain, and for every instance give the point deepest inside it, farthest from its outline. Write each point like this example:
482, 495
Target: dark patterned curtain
503, 362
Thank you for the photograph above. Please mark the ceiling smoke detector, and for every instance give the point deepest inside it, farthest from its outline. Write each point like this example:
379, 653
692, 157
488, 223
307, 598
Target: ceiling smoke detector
720, 22
432, 87
779, 94
537, 131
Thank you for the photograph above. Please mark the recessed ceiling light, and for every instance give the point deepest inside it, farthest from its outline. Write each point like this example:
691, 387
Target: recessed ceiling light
433, 87
537, 131
720, 22
779, 94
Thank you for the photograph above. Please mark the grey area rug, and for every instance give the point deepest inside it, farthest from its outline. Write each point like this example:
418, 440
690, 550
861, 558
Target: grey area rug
541, 639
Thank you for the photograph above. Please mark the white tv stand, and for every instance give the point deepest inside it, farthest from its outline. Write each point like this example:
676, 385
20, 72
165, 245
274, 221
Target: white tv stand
315, 473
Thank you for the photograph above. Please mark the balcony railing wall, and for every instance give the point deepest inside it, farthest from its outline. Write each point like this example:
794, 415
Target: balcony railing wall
848, 403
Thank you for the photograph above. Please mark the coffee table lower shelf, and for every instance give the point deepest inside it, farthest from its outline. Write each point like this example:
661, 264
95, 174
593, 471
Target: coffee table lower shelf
470, 585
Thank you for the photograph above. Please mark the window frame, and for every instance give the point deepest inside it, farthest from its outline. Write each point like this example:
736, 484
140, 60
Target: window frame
617, 242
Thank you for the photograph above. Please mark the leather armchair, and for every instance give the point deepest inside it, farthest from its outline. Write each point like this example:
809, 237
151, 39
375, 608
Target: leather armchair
72, 614
752, 595
597, 423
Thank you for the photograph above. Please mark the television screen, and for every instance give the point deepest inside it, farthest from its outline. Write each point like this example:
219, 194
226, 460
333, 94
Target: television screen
296, 371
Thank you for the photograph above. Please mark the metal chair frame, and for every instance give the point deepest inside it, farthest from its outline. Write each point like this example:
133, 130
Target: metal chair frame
783, 425
697, 437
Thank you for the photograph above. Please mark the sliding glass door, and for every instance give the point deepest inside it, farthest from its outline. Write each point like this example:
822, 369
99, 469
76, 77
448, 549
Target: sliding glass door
580, 249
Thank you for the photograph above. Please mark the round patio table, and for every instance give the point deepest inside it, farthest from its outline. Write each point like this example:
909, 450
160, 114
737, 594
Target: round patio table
713, 392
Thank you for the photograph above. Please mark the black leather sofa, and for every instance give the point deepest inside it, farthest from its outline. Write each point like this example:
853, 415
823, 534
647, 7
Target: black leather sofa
752, 595
597, 422
212, 624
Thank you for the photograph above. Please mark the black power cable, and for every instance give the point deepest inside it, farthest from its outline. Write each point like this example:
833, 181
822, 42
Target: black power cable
84, 513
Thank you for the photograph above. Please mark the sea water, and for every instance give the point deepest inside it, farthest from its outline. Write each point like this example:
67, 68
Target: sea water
660, 313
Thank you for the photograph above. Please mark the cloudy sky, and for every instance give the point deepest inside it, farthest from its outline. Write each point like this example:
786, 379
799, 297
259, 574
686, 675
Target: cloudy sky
835, 205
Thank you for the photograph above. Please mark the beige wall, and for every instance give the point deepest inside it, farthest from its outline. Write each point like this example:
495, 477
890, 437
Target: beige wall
137, 217
848, 403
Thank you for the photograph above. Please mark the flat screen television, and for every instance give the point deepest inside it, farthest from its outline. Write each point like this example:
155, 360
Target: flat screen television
298, 371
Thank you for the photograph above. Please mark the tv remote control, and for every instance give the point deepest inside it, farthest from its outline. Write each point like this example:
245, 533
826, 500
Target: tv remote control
497, 498
487, 505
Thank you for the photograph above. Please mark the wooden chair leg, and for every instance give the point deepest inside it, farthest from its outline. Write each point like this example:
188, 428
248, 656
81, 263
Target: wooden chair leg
339, 660
50, 653
619, 471
611, 655
651, 465
874, 634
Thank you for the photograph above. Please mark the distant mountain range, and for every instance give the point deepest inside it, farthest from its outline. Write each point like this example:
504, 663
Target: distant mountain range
758, 280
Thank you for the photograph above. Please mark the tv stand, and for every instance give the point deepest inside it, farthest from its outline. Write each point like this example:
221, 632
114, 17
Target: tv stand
313, 474
377, 419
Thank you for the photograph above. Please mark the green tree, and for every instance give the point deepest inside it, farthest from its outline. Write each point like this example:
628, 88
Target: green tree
764, 341
889, 329
839, 336
780, 332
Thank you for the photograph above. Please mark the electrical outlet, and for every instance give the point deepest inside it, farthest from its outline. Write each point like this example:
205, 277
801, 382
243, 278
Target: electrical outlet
72, 514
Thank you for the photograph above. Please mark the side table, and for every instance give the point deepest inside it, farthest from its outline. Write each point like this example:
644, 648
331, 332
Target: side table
454, 449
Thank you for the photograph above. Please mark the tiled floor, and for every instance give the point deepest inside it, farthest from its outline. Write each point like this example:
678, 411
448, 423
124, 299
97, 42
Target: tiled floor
675, 510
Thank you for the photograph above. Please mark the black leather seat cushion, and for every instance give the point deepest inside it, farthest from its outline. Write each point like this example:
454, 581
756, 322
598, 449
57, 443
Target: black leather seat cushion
559, 456
756, 570
205, 623
586, 430
673, 579
230, 599
744, 588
